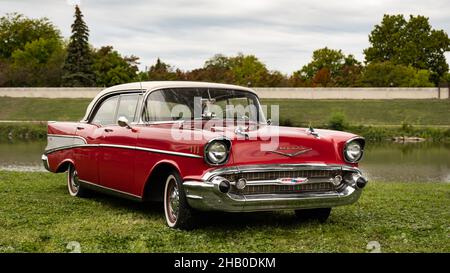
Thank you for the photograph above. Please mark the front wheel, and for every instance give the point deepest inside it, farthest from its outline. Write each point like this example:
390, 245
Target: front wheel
176, 209
321, 214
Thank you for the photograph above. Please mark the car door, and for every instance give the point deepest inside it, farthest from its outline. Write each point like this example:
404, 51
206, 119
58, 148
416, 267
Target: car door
117, 153
87, 157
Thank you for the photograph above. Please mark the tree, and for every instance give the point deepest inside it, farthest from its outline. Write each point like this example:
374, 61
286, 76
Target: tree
161, 71
240, 69
216, 69
111, 68
248, 70
410, 42
329, 67
78, 64
383, 74
16, 31
38, 64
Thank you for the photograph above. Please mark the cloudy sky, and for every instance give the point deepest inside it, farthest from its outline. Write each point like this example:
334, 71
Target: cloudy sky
282, 33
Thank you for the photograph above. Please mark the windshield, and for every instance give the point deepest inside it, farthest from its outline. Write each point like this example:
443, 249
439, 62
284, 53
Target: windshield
180, 104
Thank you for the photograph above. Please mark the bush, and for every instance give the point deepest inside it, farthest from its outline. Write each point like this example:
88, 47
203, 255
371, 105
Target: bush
286, 122
337, 121
23, 131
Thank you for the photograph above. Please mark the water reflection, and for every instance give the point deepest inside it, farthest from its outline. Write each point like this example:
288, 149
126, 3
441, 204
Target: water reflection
421, 162
393, 162
22, 156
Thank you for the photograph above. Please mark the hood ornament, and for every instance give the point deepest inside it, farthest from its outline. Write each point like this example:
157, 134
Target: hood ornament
310, 131
296, 150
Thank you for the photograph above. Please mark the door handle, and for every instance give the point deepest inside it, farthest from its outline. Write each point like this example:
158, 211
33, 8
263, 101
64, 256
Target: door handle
109, 130
80, 128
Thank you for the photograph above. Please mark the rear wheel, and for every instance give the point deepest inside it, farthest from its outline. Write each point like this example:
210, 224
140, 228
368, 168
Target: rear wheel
73, 183
176, 209
321, 214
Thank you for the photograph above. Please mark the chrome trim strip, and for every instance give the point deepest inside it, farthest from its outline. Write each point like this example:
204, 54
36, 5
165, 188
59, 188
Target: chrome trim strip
277, 167
123, 147
279, 183
67, 136
292, 154
150, 150
93, 185
49, 151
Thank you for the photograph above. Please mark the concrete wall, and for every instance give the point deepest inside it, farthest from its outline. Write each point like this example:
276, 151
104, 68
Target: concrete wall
50, 92
269, 93
353, 93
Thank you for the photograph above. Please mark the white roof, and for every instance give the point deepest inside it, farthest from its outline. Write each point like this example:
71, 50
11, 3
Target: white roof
154, 85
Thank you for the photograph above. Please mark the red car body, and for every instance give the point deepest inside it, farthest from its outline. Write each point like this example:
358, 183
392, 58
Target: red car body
133, 159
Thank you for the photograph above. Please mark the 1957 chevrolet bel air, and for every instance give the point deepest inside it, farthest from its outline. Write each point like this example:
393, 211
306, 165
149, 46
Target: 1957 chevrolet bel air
203, 146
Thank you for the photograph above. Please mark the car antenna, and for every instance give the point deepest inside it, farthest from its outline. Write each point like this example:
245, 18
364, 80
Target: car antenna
140, 80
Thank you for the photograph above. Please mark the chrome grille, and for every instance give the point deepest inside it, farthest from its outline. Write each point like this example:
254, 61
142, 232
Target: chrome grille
285, 189
319, 181
252, 176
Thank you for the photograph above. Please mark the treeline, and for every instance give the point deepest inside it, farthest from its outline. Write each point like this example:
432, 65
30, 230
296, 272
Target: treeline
402, 53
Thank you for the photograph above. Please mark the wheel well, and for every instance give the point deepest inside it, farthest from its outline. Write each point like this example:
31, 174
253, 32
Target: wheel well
63, 167
154, 187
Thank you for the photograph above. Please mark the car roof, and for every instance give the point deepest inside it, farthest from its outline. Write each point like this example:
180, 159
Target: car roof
154, 85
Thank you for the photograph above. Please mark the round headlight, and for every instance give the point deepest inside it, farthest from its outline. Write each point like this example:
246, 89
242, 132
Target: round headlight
353, 151
216, 152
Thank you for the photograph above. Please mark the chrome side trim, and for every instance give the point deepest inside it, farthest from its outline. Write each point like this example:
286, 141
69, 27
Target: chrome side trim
151, 150
122, 147
57, 142
67, 136
49, 151
110, 191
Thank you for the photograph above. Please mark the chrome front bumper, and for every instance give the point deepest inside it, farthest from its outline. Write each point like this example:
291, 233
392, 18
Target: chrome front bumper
206, 195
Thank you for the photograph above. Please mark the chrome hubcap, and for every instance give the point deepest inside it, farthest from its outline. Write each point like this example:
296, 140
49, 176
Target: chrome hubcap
74, 182
174, 200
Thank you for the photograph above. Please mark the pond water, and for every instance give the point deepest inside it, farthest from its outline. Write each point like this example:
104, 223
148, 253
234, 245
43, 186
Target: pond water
393, 162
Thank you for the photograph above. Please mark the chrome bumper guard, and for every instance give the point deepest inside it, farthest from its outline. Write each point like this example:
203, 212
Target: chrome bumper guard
45, 162
208, 195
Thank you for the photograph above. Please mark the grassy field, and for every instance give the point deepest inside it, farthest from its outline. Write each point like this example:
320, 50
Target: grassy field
42, 109
358, 112
37, 215
366, 112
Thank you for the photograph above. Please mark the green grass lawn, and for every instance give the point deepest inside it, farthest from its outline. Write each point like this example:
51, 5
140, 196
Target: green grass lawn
42, 109
300, 112
366, 112
38, 215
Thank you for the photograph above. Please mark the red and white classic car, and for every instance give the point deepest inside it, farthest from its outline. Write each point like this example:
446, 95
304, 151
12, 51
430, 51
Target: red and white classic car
203, 146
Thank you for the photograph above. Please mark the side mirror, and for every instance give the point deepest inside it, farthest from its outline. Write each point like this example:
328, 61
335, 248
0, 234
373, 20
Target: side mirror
123, 122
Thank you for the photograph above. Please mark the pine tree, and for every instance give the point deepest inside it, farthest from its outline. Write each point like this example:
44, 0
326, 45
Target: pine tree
77, 66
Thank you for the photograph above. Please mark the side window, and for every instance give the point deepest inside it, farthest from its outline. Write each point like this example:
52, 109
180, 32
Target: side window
106, 112
127, 107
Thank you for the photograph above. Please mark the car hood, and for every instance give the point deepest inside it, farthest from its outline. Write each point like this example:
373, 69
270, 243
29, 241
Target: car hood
283, 145
256, 144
